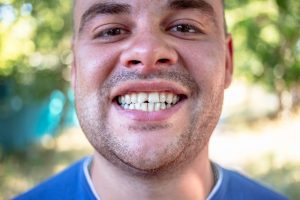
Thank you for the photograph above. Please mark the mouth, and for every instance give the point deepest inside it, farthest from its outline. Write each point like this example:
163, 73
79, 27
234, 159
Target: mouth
149, 101
149, 97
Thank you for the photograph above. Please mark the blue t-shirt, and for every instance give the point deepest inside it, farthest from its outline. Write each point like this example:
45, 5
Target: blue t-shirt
75, 183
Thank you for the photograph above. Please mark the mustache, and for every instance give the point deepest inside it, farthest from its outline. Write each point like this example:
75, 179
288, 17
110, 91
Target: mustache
179, 76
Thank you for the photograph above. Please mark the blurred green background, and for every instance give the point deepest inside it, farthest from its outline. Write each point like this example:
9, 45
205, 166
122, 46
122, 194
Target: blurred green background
258, 131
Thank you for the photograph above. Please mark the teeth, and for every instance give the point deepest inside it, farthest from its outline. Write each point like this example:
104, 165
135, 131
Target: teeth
127, 99
148, 102
121, 99
157, 106
134, 98
169, 98
142, 97
144, 107
137, 106
162, 97
175, 99
131, 106
126, 106
151, 107
153, 97
163, 106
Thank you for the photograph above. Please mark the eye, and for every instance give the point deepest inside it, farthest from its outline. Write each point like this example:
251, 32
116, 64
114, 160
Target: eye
111, 34
185, 28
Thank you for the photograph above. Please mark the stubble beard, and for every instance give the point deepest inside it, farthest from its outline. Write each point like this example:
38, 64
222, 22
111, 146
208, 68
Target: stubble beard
175, 156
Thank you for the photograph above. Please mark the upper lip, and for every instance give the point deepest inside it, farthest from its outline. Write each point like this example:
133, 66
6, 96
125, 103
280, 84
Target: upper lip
148, 86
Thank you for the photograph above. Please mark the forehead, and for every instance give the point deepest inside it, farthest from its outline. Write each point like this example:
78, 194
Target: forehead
80, 5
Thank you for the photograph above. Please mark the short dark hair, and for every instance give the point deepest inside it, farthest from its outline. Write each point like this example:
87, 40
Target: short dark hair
224, 18
223, 4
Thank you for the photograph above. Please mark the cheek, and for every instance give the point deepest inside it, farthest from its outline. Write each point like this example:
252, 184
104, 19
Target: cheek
94, 66
205, 62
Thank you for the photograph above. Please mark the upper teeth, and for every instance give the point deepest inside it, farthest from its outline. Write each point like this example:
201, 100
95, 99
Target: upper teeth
153, 101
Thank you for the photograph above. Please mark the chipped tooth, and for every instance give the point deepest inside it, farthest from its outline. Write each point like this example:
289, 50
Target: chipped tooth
151, 107
157, 107
163, 106
142, 97
169, 98
134, 98
144, 107
153, 97
131, 106
162, 97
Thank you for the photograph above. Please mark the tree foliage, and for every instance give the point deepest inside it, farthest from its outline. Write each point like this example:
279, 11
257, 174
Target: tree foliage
35, 43
267, 36
34, 46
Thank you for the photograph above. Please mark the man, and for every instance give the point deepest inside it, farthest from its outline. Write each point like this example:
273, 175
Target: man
149, 78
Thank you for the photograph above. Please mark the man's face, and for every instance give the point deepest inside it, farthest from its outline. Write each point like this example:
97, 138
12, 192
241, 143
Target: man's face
149, 78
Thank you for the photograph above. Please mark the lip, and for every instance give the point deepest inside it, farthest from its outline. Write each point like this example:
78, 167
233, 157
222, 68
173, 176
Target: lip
148, 86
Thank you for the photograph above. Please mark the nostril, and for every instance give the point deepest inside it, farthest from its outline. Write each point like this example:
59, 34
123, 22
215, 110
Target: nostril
163, 60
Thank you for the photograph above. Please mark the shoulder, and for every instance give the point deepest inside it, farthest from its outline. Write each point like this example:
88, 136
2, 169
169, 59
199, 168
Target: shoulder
68, 184
238, 186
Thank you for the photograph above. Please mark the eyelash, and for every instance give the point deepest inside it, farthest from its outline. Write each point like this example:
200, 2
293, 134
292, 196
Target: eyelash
114, 32
186, 28
111, 32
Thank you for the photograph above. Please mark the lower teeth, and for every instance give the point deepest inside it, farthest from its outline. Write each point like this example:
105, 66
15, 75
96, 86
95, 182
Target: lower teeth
147, 107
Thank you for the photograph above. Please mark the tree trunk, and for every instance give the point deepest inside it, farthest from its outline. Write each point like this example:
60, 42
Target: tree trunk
295, 92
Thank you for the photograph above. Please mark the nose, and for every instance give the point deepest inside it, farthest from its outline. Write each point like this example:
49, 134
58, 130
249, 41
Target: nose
147, 52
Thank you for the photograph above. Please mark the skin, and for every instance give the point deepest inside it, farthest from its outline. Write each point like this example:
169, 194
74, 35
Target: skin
156, 158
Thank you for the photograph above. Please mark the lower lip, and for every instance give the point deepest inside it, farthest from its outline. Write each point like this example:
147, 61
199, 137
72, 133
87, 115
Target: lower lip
138, 115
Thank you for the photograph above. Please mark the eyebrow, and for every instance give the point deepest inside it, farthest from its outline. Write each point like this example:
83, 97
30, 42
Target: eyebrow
107, 8
110, 8
192, 4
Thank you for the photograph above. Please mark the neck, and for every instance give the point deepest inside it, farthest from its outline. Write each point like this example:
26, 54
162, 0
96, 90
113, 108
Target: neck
193, 182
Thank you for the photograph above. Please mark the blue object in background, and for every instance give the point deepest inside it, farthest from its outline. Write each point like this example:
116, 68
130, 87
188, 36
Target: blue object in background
24, 124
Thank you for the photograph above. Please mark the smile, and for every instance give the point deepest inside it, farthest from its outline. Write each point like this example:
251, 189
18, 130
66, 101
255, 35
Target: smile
148, 102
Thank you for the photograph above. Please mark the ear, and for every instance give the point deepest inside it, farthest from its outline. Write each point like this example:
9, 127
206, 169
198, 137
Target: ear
73, 69
229, 60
